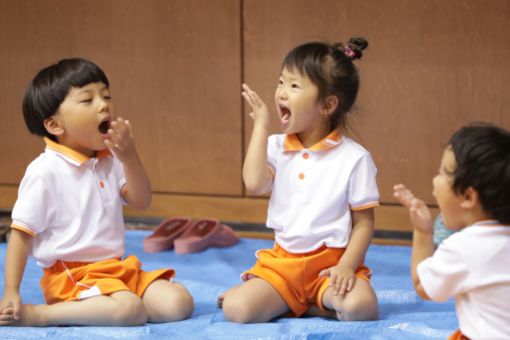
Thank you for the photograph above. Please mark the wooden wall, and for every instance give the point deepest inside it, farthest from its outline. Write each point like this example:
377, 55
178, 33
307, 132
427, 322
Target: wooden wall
176, 66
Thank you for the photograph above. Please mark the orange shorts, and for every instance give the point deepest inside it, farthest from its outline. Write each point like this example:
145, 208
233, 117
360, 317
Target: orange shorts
296, 276
458, 336
65, 281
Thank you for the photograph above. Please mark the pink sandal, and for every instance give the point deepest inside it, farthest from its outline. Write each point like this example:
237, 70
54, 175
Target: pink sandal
163, 237
203, 234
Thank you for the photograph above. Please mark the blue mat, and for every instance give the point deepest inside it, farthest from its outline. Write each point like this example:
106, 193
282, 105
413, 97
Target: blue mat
403, 314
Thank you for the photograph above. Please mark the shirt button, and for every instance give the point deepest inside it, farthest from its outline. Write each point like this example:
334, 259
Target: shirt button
301, 176
305, 155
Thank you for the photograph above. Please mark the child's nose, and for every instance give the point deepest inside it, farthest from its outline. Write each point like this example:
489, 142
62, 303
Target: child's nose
103, 106
434, 179
282, 94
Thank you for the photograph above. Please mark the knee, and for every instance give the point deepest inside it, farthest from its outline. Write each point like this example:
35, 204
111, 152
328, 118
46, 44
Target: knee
129, 312
359, 309
237, 310
179, 306
182, 305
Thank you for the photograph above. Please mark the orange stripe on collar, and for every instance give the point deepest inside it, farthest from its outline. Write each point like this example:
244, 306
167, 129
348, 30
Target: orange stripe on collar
73, 154
103, 153
292, 142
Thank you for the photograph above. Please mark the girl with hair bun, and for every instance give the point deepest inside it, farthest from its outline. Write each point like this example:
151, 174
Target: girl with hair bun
323, 193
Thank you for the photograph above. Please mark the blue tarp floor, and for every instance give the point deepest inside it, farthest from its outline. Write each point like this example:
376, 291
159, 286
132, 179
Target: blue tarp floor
403, 315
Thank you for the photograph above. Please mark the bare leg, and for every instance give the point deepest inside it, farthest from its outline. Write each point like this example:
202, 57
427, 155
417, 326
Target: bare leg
166, 301
119, 309
357, 305
314, 310
253, 301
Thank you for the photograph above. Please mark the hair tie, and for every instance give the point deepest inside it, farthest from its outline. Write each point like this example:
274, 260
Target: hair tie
350, 53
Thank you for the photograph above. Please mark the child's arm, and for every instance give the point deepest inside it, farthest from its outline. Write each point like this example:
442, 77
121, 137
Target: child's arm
257, 175
120, 141
342, 276
18, 249
423, 243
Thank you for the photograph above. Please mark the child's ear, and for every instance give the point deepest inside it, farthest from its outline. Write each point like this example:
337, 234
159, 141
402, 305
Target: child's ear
329, 105
470, 198
53, 126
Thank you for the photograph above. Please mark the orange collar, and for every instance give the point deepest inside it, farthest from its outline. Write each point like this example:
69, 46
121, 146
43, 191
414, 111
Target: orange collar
292, 142
71, 154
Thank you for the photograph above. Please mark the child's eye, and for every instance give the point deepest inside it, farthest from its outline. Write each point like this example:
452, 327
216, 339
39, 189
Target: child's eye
86, 100
295, 86
280, 82
107, 97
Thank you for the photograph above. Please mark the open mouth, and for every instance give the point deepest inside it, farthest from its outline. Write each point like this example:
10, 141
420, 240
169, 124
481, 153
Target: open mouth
284, 114
104, 126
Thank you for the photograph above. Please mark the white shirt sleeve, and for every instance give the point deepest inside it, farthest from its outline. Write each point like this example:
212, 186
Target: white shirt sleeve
362, 183
445, 274
34, 207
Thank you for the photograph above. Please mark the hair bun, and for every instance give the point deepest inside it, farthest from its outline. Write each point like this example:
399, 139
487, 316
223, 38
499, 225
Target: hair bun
355, 47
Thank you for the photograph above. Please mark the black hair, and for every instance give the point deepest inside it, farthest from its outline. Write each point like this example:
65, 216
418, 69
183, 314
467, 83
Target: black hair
330, 67
482, 154
50, 87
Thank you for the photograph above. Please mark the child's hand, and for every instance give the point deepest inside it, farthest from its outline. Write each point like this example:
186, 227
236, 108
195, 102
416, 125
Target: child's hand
10, 309
341, 278
120, 139
260, 112
418, 210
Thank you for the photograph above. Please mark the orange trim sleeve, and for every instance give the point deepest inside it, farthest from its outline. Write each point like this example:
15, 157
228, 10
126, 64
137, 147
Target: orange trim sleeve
365, 206
123, 191
23, 229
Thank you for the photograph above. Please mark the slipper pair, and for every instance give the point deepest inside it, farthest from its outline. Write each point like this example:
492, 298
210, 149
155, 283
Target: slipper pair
189, 236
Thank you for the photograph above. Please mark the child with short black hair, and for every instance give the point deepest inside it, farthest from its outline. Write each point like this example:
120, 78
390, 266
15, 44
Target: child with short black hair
472, 190
68, 214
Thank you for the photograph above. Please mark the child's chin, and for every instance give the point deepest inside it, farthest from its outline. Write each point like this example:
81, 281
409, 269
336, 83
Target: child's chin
453, 227
287, 129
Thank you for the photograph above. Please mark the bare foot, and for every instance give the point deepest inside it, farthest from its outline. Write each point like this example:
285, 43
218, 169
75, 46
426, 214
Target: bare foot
32, 315
219, 300
221, 297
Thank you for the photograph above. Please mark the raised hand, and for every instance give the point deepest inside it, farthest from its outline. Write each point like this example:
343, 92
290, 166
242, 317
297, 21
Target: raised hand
120, 139
418, 210
260, 113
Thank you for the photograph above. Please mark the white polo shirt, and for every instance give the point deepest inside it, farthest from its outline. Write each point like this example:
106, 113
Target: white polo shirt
72, 206
472, 266
315, 189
